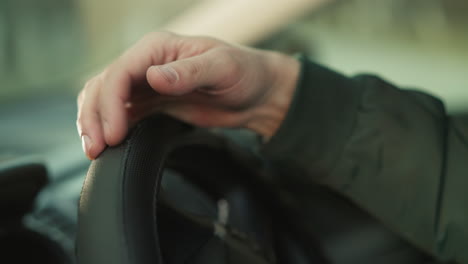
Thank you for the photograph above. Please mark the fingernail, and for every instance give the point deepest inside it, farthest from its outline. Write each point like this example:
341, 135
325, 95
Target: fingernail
169, 73
86, 143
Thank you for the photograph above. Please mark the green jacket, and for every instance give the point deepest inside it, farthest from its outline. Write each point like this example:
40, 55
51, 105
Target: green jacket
396, 153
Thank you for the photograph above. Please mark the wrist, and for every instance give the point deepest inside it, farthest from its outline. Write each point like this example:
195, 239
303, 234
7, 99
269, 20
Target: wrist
282, 71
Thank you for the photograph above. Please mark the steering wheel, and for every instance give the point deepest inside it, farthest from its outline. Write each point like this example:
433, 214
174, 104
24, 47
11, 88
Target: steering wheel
125, 216
172, 193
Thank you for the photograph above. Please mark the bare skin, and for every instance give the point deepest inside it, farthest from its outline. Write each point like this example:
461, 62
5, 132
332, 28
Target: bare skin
203, 81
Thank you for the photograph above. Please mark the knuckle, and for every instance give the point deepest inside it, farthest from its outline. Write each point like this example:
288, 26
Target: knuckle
233, 67
104, 75
80, 97
194, 68
90, 82
79, 125
87, 84
80, 120
86, 120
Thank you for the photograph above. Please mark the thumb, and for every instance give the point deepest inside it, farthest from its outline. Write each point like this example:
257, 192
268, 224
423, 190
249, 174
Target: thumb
184, 76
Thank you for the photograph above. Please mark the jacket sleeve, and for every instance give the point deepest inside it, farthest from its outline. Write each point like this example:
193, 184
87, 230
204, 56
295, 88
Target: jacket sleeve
393, 152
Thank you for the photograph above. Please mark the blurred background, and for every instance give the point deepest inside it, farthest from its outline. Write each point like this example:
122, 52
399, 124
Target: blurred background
52, 46
49, 48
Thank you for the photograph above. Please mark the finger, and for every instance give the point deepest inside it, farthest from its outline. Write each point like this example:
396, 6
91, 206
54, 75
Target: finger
137, 110
202, 115
88, 121
112, 107
127, 73
184, 76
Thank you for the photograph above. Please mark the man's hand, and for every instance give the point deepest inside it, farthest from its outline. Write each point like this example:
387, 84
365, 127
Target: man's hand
203, 81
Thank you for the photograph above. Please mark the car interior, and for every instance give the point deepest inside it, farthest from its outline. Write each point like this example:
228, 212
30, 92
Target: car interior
183, 194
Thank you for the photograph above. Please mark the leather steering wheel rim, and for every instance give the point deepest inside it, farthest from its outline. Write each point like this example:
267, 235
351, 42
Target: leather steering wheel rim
117, 207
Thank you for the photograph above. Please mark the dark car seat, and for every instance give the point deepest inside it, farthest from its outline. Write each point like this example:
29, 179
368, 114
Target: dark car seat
21, 179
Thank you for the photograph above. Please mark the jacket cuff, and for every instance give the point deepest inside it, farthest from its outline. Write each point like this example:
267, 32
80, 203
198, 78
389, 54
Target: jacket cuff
318, 123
